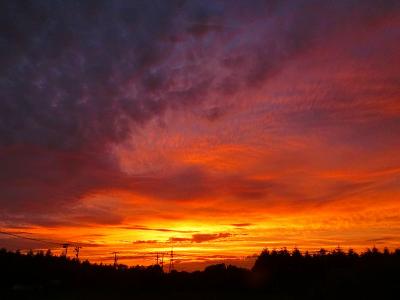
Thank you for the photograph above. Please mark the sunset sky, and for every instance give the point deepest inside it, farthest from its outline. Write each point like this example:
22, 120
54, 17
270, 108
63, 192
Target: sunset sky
213, 128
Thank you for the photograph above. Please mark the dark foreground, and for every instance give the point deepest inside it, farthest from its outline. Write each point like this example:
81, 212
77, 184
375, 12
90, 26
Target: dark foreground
275, 275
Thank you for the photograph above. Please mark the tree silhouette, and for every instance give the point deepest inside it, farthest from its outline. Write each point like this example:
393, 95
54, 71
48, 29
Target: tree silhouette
275, 274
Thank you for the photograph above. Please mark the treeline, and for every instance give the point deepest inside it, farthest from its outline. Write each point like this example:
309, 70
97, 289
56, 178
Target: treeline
276, 274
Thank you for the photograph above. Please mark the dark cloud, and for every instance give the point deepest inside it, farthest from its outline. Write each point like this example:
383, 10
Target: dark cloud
139, 227
201, 237
381, 240
215, 113
75, 78
241, 224
78, 77
73, 216
33, 178
179, 239
186, 184
193, 183
71, 65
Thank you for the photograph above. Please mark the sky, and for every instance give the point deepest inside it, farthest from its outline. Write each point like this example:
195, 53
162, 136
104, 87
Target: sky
213, 128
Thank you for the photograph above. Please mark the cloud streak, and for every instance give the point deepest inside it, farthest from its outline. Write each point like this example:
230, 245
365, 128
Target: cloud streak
201, 237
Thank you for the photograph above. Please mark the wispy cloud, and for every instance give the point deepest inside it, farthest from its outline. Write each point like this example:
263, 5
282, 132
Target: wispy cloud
201, 237
139, 227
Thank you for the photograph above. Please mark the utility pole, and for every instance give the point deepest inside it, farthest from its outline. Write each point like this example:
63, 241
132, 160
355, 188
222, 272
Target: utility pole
162, 261
77, 249
171, 261
115, 259
65, 246
157, 259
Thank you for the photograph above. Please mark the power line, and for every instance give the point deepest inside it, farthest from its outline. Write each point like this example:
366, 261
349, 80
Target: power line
77, 247
64, 245
29, 238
